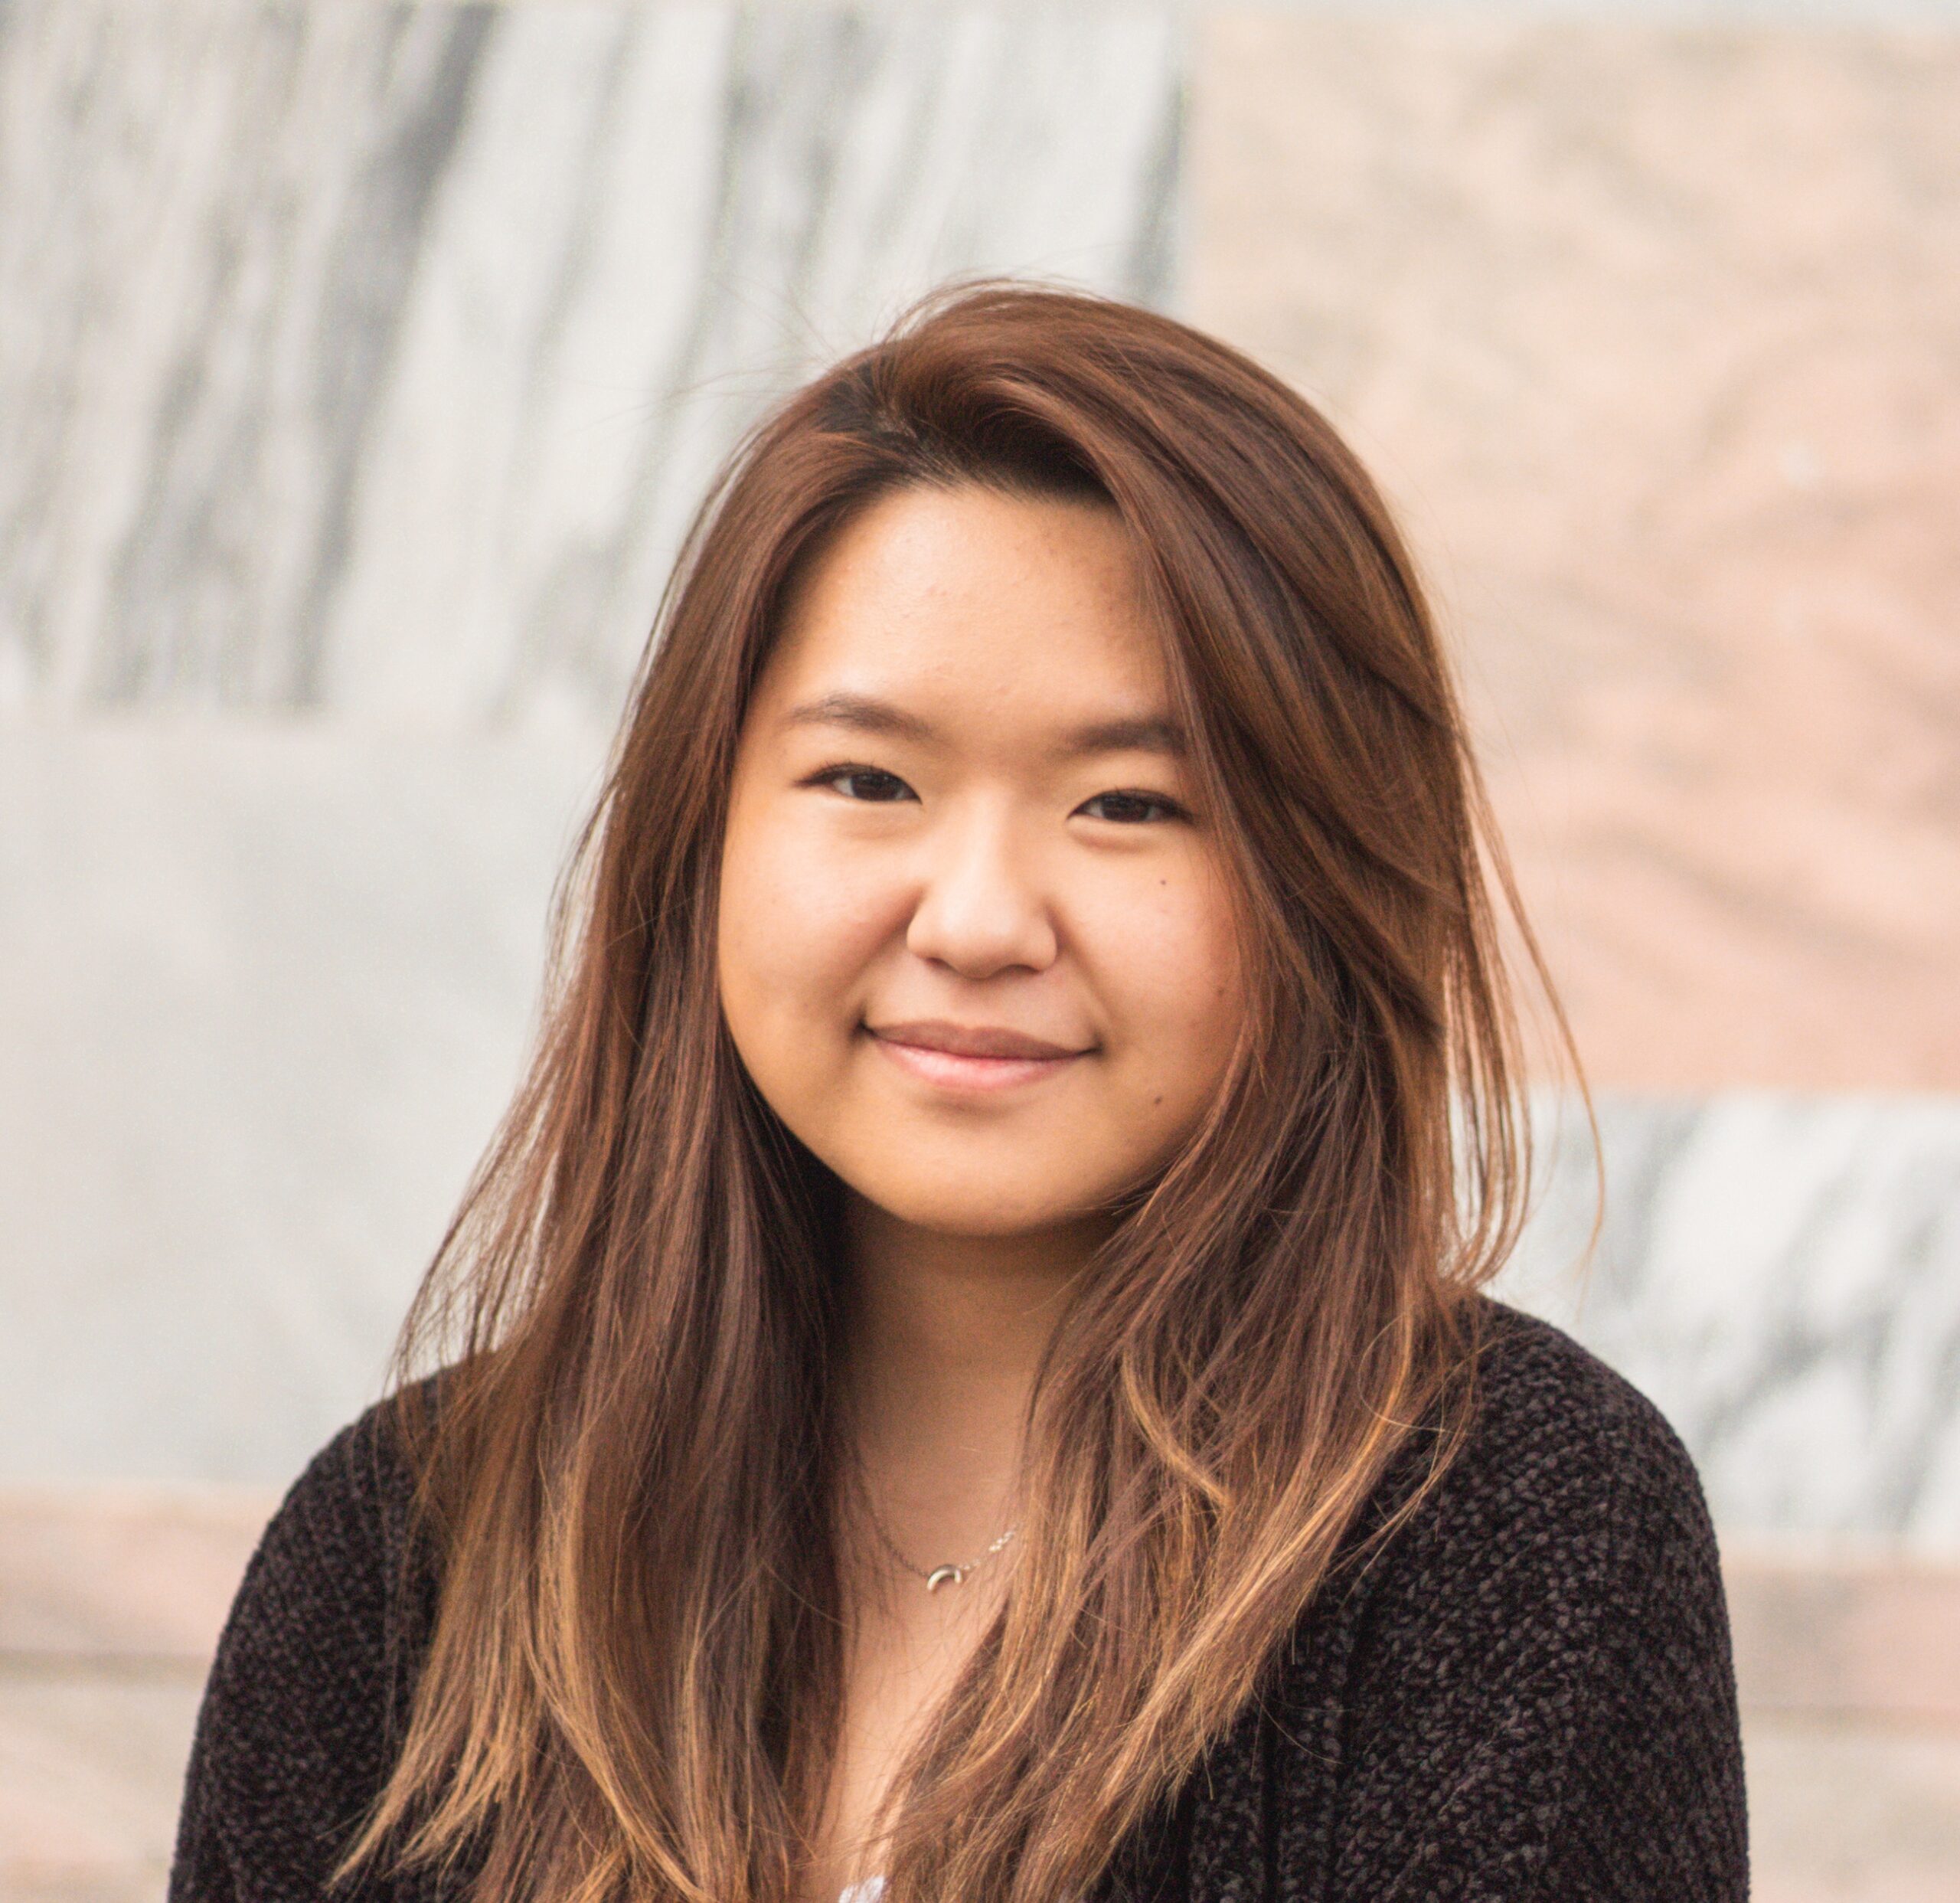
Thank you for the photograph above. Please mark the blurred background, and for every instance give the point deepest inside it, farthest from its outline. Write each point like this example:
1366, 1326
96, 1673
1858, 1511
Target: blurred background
359, 365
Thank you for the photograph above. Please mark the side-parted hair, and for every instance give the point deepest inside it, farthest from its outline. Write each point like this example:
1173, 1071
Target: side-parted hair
634, 1687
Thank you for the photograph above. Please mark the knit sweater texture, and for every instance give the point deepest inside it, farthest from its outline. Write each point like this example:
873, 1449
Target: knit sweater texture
1528, 1695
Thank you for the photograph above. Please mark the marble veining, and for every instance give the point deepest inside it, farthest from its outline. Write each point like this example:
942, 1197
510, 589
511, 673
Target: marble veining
1781, 1273
371, 358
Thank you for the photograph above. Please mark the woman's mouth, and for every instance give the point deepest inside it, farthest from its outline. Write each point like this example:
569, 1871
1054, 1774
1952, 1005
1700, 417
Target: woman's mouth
972, 1070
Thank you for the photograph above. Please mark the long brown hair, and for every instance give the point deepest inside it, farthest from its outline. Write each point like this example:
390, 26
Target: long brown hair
633, 1685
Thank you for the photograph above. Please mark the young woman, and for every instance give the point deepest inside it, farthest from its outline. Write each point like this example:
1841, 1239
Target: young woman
973, 1380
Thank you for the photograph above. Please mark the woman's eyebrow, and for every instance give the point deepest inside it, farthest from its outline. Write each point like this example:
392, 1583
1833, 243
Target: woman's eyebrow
864, 714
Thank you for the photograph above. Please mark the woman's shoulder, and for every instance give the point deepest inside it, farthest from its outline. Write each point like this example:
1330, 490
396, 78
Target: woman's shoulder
1539, 1380
348, 1512
314, 1668
329, 1568
1555, 1426
1568, 1542
1529, 1685
1565, 1466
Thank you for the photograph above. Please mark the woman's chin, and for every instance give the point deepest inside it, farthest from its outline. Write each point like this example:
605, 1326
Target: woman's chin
928, 1209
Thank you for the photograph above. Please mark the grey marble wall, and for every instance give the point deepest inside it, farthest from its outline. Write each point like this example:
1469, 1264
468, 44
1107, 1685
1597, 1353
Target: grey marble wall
1780, 1271
264, 987
370, 358
359, 366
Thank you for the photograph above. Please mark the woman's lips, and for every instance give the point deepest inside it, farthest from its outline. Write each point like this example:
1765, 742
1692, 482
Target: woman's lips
955, 1072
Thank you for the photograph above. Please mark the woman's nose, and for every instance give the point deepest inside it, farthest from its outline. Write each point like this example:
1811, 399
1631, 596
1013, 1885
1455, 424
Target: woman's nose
982, 904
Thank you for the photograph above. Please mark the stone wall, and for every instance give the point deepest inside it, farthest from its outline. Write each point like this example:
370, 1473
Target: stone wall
360, 364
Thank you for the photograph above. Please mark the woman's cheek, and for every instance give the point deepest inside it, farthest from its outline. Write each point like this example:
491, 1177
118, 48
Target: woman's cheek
1197, 990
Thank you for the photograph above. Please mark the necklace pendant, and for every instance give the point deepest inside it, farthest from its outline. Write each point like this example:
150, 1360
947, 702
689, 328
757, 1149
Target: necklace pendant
945, 1576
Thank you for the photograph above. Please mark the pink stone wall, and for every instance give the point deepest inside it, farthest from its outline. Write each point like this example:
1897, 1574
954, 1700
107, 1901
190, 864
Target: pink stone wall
1653, 337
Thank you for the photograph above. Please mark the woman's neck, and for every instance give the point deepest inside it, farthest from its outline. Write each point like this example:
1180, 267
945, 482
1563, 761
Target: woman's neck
944, 1333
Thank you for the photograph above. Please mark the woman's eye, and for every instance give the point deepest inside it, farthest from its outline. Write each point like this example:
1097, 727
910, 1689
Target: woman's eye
1129, 803
882, 784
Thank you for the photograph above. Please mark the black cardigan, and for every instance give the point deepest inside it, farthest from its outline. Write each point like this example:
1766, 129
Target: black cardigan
1529, 1696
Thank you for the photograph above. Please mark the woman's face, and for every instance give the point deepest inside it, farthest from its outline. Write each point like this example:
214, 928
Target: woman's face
959, 817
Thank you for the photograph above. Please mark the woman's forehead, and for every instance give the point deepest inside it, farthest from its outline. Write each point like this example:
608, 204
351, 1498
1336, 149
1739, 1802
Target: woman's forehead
940, 604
